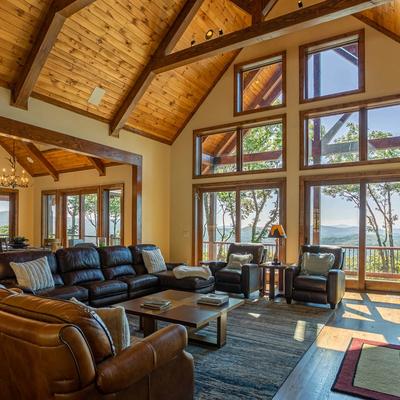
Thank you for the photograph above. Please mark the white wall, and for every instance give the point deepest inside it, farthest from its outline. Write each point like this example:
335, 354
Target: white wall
156, 160
382, 78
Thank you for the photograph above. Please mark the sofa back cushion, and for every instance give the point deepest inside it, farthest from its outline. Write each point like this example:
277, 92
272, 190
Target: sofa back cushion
338, 252
63, 312
137, 256
116, 261
78, 265
7, 274
256, 250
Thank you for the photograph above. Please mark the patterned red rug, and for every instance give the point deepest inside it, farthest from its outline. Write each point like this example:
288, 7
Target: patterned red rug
370, 370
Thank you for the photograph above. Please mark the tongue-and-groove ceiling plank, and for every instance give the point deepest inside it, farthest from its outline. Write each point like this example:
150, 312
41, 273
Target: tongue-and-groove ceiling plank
385, 18
173, 96
19, 22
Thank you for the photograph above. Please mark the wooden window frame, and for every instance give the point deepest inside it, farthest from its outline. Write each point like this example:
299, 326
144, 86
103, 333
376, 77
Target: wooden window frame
238, 127
14, 210
197, 219
346, 178
303, 71
237, 89
61, 195
355, 106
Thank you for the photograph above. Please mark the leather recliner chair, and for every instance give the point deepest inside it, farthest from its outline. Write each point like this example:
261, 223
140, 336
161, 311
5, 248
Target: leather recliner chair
245, 280
316, 288
55, 349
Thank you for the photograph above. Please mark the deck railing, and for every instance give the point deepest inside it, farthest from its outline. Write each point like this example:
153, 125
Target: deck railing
380, 262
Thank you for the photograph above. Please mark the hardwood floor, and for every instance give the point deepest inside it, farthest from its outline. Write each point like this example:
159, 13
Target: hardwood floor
363, 315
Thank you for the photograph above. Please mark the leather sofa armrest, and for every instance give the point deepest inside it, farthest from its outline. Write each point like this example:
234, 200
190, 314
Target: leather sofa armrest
336, 286
214, 265
171, 266
21, 288
126, 368
290, 273
141, 359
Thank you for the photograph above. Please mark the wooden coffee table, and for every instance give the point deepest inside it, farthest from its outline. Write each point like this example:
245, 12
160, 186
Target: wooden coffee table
184, 310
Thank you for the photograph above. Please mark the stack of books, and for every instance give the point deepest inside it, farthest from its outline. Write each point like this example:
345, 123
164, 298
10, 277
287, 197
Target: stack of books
156, 304
213, 299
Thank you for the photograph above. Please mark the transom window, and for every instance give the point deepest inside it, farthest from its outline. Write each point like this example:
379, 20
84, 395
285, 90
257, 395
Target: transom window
252, 146
365, 133
260, 84
332, 67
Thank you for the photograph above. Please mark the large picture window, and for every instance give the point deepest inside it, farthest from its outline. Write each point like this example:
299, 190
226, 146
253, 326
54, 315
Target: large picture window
87, 215
252, 146
8, 213
332, 67
354, 134
237, 212
359, 213
260, 84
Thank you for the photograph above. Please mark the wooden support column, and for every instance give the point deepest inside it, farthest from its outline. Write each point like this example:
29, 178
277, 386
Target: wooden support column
58, 12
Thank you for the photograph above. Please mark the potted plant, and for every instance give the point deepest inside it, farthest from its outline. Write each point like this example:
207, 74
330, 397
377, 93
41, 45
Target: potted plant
19, 242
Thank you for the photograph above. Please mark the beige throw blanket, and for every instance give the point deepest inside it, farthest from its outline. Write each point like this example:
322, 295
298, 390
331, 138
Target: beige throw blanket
184, 271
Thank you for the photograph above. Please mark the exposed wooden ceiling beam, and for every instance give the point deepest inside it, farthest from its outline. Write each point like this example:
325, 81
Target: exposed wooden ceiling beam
316, 14
378, 27
58, 12
38, 155
267, 6
98, 165
23, 163
169, 41
245, 5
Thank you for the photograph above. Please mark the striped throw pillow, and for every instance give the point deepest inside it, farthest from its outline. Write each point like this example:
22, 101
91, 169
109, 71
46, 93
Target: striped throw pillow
154, 261
34, 275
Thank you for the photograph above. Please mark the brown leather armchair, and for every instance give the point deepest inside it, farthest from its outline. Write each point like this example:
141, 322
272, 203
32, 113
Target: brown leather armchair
55, 349
246, 280
315, 288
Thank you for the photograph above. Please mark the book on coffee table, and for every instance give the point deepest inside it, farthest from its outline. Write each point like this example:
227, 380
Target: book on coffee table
213, 299
156, 304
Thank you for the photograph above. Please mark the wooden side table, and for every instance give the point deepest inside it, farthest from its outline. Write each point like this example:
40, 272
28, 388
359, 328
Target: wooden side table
272, 268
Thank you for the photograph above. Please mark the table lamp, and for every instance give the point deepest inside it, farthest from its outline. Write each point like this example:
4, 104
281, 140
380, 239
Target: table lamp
277, 232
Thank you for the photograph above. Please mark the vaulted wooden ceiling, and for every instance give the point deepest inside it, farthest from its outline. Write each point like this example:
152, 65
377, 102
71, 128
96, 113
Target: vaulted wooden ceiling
39, 160
140, 52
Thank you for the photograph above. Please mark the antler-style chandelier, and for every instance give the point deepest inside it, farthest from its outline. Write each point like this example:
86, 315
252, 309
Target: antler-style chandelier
11, 179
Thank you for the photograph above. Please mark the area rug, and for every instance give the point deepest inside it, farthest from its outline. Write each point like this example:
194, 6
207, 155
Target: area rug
370, 370
265, 342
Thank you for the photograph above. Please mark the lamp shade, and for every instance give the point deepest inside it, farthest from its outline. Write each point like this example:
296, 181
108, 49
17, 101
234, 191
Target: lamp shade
277, 232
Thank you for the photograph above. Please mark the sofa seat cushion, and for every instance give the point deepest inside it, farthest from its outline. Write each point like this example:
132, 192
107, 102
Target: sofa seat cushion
168, 280
229, 275
140, 282
65, 293
105, 288
313, 283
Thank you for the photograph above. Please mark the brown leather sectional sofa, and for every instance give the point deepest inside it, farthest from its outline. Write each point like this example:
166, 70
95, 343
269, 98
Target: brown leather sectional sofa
53, 349
101, 276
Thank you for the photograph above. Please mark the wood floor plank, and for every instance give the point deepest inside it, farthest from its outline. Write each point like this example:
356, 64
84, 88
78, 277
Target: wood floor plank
363, 315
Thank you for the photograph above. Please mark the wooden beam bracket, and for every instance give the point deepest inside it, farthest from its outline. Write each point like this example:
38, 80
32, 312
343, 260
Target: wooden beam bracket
98, 165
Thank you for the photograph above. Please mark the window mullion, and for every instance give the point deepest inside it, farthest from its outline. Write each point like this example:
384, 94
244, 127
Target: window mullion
362, 235
363, 134
238, 216
239, 150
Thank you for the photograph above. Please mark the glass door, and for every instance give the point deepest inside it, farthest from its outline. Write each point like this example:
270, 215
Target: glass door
334, 219
219, 224
73, 221
90, 218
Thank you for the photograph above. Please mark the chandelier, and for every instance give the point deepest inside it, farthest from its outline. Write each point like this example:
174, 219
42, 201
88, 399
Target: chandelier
11, 179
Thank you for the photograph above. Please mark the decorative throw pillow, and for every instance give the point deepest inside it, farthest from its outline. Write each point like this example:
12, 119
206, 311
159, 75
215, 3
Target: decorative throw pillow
116, 321
154, 261
34, 275
236, 261
316, 263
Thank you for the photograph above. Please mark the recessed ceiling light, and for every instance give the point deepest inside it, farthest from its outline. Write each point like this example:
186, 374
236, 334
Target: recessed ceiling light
209, 34
30, 160
96, 96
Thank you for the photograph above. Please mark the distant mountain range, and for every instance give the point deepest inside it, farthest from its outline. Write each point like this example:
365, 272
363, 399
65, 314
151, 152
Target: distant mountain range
333, 234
